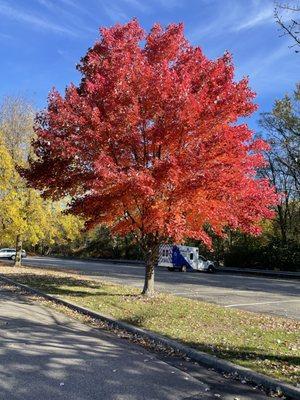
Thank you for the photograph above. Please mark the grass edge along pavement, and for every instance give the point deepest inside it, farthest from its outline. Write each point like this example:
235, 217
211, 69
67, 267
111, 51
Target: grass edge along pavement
269, 343
158, 343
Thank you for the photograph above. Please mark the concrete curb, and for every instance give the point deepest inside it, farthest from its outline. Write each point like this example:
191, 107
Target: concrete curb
105, 260
258, 272
195, 355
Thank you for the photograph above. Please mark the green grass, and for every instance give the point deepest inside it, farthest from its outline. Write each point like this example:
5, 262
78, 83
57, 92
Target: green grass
266, 344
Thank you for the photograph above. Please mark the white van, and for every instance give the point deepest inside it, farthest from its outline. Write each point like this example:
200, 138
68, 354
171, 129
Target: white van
183, 258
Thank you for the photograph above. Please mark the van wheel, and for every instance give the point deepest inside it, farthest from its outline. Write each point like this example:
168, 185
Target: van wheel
13, 258
183, 268
171, 269
211, 269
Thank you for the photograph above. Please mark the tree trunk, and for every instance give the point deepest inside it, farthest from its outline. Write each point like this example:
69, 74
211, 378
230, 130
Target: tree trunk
148, 289
151, 257
282, 224
18, 259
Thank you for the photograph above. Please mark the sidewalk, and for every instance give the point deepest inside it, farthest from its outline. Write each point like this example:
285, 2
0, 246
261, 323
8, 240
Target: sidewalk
45, 355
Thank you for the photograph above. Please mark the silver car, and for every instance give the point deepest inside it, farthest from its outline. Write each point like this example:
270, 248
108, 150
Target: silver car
11, 253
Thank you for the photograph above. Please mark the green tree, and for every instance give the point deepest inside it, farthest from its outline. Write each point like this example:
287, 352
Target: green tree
279, 244
282, 126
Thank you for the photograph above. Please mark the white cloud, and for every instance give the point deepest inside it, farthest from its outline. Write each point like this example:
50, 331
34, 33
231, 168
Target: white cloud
170, 3
233, 17
262, 16
5, 36
115, 13
34, 20
138, 4
265, 72
80, 7
260, 64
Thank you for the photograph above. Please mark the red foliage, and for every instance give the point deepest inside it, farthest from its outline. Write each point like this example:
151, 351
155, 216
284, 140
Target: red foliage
150, 142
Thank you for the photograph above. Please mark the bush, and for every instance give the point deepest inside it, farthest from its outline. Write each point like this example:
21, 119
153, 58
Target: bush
273, 255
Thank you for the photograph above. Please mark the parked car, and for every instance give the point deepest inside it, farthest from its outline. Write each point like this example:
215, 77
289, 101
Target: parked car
183, 258
11, 253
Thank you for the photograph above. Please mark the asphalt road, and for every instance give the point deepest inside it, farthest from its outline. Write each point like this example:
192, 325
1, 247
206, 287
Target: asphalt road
45, 355
259, 294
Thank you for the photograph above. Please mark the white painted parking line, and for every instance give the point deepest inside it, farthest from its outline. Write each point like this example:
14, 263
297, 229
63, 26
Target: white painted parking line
261, 303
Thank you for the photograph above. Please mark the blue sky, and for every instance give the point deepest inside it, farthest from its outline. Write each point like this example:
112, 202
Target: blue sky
42, 40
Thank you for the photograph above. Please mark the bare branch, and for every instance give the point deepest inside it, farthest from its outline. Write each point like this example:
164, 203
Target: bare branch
291, 27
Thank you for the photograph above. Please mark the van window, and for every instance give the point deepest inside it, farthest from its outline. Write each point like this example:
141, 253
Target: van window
191, 256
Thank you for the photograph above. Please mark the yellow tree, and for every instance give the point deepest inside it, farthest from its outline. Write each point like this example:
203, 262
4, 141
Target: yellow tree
24, 215
9, 204
16, 126
22, 210
63, 230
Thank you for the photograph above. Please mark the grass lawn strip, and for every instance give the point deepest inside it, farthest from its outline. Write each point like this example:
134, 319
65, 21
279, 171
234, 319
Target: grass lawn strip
266, 344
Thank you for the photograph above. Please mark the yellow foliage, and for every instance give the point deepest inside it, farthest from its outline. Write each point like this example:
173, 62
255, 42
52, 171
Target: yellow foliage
23, 211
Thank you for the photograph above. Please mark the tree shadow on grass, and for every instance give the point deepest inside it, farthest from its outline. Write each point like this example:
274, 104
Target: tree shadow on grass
237, 354
244, 353
45, 355
59, 285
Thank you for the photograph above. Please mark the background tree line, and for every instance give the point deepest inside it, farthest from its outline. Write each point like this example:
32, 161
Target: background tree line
26, 219
42, 227
278, 247
279, 244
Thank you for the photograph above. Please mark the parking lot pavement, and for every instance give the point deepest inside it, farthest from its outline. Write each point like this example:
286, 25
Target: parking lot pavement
275, 296
45, 355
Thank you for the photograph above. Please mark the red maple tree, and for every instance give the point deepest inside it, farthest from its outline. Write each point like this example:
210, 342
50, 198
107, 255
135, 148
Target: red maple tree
149, 142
